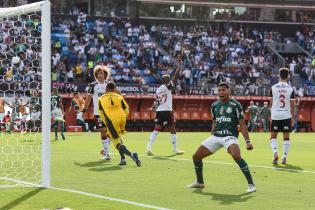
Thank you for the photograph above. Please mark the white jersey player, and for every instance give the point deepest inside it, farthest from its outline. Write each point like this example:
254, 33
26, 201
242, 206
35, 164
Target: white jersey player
164, 113
95, 90
281, 113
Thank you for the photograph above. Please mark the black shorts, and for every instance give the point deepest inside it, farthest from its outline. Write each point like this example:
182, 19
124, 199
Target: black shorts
164, 118
98, 122
281, 125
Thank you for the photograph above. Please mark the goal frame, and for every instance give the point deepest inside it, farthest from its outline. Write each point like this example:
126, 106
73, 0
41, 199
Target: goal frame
44, 8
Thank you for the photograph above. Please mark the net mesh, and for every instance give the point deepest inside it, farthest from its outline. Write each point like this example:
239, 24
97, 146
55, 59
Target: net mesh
20, 98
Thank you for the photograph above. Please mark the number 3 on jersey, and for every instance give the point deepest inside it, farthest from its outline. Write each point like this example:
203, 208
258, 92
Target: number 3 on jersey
282, 101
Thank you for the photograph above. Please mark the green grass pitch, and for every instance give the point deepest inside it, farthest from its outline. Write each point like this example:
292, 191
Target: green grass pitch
161, 180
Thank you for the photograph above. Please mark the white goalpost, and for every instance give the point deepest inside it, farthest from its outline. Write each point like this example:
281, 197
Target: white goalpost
25, 92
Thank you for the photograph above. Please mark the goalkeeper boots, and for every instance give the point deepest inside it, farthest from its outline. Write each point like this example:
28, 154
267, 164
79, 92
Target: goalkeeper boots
135, 158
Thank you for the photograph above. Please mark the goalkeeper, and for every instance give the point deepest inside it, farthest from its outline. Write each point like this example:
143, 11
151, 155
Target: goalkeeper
57, 113
113, 111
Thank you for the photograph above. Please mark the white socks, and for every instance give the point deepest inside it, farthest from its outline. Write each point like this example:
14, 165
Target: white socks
152, 139
274, 145
286, 146
173, 139
106, 143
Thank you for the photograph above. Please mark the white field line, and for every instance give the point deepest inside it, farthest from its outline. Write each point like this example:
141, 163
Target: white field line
211, 161
110, 198
29, 184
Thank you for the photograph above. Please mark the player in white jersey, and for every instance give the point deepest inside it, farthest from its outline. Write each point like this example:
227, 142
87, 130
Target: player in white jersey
164, 113
282, 100
97, 89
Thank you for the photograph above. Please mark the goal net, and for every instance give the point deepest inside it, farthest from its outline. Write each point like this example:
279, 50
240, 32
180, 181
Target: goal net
25, 95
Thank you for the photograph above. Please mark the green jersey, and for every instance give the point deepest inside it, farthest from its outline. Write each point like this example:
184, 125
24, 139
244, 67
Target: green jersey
55, 101
265, 113
226, 117
36, 103
253, 110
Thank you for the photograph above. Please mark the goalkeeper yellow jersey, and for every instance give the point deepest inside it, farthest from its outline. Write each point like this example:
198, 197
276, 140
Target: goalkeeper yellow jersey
113, 105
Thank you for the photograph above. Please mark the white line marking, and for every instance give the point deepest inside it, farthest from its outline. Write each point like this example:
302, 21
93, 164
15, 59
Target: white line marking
24, 183
217, 162
254, 166
29, 184
109, 198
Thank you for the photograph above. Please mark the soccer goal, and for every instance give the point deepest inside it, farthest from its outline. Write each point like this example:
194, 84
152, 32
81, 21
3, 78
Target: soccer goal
25, 83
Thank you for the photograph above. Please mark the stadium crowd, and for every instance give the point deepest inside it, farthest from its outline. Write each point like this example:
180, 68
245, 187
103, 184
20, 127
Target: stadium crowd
139, 54
235, 54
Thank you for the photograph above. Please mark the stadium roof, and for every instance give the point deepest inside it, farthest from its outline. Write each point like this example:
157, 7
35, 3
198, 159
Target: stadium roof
278, 4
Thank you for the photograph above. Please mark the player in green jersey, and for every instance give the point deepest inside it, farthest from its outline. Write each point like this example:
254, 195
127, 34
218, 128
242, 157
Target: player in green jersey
57, 113
35, 108
253, 111
227, 114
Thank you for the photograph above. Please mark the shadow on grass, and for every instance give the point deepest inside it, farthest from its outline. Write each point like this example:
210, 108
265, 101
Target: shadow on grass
110, 168
168, 157
21, 199
99, 166
92, 164
225, 199
288, 167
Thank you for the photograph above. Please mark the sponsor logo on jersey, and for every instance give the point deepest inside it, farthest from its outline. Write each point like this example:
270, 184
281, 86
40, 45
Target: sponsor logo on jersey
223, 119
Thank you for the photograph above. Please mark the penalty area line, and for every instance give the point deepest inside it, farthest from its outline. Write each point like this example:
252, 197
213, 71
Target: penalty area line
109, 198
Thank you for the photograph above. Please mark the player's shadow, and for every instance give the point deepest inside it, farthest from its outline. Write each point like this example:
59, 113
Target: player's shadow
21, 199
92, 164
99, 166
169, 157
224, 198
288, 168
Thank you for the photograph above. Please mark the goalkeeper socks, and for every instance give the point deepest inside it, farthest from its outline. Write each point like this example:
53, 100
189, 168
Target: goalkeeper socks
286, 146
244, 167
152, 139
123, 150
274, 145
198, 170
173, 139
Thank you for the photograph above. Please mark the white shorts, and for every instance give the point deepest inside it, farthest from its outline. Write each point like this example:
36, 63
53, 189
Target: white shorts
213, 143
2, 116
35, 116
80, 116
57, 114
